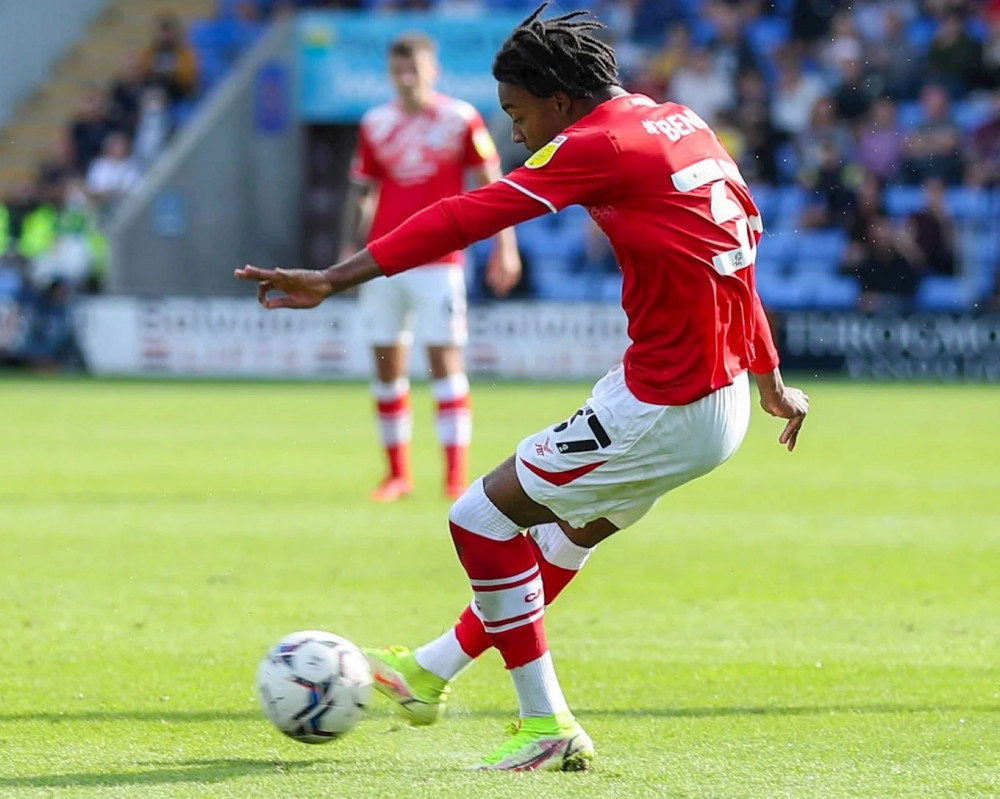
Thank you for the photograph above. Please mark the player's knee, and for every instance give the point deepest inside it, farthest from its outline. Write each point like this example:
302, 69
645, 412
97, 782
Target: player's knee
476, 513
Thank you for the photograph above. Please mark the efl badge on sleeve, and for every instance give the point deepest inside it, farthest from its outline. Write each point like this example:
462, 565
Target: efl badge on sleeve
484, 145
544, 155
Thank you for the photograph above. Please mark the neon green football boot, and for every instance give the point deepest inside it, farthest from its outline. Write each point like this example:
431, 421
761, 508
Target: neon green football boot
549, 743
397, 675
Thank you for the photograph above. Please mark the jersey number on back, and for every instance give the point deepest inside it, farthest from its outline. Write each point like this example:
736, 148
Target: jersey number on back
725, 210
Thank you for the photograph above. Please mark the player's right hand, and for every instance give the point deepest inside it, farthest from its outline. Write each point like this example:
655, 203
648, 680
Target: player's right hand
302, 288
787, 403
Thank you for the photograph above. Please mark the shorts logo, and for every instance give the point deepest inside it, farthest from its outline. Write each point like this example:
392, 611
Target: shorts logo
544, 155
541, 449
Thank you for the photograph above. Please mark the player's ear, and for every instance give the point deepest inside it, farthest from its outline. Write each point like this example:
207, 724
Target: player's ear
562, 103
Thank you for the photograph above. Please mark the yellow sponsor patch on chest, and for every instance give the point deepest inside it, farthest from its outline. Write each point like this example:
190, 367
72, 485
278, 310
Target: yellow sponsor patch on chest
544, 155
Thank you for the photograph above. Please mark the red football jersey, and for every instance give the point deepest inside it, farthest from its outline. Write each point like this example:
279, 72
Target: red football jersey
681, 221
418, 158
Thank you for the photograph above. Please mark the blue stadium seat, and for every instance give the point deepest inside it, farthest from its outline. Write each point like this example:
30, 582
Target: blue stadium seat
553, 281
970, 115
767, 34
904, 200
937, 293
783, 293
969, 204
921, 31
819, 251
835, 291
791, 202
766, 199
909, 115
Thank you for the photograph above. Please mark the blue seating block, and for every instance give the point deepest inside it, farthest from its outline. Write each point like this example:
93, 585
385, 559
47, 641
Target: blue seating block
937, 293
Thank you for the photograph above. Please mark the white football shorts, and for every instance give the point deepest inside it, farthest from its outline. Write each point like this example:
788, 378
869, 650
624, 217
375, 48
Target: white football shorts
616, 456
428, 301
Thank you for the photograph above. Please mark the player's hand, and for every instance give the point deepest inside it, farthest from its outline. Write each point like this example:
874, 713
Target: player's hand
787, 403
301, 288
503, 270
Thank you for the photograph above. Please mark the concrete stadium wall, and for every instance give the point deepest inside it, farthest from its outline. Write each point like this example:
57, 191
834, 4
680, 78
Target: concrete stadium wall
227, 191
33, 35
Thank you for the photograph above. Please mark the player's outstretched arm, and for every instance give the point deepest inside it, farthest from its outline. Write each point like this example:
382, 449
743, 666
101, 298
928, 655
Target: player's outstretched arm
785, 402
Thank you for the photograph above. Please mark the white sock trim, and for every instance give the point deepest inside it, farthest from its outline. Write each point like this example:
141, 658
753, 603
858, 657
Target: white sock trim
449, 388
475, 512
538, 689
557, 549
386, 392
443, 656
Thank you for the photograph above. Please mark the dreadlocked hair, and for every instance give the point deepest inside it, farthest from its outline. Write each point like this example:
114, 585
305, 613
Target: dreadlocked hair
545, 56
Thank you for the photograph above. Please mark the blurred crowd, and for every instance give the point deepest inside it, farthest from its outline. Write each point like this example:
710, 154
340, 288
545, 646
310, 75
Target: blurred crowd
873, 126
53, 242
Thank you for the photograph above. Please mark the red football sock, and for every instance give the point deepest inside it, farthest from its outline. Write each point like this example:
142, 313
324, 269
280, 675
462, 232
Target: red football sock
469, 630
508, 588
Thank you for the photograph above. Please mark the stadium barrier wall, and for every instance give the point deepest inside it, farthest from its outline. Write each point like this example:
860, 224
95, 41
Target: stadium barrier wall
33, 35
225, 337
226, 192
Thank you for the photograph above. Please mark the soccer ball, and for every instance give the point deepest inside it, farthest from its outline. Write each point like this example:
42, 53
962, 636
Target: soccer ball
314, 686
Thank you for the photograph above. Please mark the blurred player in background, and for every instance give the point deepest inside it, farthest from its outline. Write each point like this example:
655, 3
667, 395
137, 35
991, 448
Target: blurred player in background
411, 153
684, 228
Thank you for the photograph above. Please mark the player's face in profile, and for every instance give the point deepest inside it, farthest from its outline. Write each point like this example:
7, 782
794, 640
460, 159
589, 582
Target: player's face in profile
413, 76
536, 120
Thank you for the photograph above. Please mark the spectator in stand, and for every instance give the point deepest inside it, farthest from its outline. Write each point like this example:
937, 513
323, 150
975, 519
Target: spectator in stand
933, 231
126, 94
853, 96
55, 170
700, 85
893, 62
833, 182
153, 128
991, 52
759, 163
811, 19
113, 175
844, 45
795, 96
872, 17
669, 58
986, 145
885, 266
934, 148
89, 128
955, 58
825, 131
730, 47
169, 61
880, 141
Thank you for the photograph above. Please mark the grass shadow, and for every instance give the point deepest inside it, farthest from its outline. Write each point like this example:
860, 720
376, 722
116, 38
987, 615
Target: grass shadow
204, 771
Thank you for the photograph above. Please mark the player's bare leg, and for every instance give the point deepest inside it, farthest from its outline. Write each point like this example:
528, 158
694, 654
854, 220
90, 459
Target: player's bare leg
450, 387
395, 420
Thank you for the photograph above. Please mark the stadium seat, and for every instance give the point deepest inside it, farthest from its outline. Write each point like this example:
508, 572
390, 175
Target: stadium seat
969, 204
937, 293
783, 293
909, 115
834, 292
921, 31
767, 34
791, 203
819, 252
901, 201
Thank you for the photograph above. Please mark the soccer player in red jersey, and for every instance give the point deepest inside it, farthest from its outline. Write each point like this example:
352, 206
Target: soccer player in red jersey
685, 230
412, 152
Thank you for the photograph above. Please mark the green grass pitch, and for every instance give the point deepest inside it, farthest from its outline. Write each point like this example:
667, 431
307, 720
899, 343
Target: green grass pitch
821, 624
